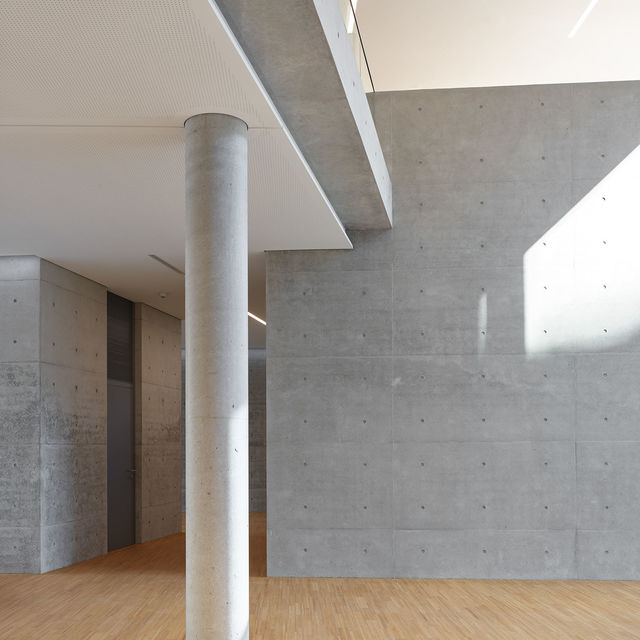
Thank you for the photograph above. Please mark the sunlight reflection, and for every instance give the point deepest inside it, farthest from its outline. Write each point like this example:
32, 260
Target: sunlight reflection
482, 323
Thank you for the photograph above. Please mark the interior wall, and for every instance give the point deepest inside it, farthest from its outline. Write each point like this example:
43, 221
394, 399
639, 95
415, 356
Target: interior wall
257, 430
158, 389
20, 415
458, 397
73, 449
53, 416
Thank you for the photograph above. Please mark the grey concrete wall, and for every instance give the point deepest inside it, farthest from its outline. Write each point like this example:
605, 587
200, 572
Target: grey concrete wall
301, 51
158, 388
73, 449
53, 416
19, 415
183, 420
458, 397
257, 430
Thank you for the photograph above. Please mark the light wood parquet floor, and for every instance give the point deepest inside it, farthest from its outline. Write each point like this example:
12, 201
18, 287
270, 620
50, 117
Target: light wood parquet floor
138, 593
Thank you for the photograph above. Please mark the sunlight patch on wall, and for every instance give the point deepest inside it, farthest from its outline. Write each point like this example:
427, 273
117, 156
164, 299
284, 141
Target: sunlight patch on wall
582, 277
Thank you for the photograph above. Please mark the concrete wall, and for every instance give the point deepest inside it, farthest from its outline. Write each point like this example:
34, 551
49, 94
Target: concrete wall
183, 421
158, 388
19, 415
257, 430
301, 51
73, 440
53, 439
52, 416
458, 397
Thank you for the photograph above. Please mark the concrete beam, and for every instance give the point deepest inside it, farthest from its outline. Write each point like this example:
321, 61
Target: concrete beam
301, 52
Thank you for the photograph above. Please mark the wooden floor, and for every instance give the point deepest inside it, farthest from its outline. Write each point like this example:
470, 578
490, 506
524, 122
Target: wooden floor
138, 593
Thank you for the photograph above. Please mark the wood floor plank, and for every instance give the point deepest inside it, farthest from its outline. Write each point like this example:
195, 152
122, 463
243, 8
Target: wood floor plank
138, 593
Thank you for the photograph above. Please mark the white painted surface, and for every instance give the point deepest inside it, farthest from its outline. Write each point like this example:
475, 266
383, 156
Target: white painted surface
86, 213
426, 44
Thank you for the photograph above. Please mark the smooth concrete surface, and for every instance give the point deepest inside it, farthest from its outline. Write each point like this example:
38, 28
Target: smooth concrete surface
158, 452
485, 554
301, 52
258, 430
443, 401
19, 415
358, 324
217, 474
73, 452
183, 427
52, 416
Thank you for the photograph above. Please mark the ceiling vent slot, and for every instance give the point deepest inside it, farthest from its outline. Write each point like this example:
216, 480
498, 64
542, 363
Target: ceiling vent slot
165, 263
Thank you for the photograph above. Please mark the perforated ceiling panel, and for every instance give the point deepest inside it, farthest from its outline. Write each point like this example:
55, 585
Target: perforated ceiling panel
93, 176
286, 197
152, 62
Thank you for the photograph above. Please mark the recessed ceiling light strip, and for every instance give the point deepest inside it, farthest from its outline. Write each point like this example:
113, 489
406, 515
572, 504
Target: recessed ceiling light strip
583, 17
170, 266
260, 320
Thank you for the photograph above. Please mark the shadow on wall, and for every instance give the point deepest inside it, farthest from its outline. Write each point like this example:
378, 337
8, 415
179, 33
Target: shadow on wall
582, 277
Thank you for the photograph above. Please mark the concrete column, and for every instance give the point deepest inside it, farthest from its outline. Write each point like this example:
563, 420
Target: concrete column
216, 379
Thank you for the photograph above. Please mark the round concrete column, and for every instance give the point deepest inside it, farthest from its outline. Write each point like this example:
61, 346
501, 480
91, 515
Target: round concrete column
217, 485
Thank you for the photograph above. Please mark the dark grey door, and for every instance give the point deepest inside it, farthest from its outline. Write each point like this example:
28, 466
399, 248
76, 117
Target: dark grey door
120, 465
120, 424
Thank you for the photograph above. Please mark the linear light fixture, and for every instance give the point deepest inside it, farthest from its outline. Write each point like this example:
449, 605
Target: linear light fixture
583, 17
170, 266
260, 320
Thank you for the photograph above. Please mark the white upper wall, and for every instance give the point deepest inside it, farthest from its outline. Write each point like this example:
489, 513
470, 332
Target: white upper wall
426, 44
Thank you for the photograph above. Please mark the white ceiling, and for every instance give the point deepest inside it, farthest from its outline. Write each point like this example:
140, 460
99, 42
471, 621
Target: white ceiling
425, 44
121, 62
93, 96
